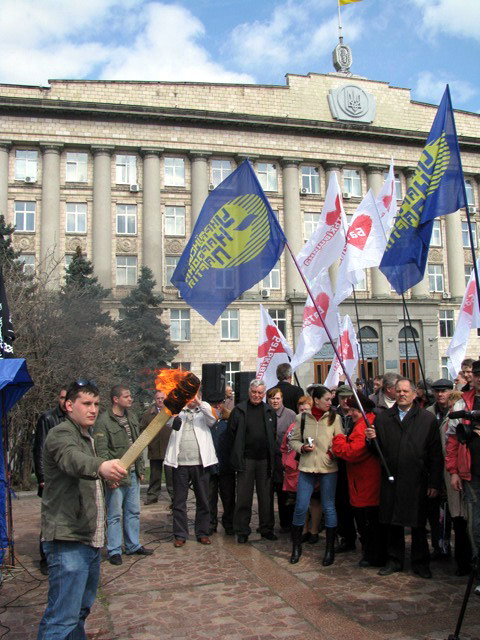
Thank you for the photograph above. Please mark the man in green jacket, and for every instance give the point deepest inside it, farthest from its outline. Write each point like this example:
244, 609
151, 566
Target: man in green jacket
115, 430
73, 514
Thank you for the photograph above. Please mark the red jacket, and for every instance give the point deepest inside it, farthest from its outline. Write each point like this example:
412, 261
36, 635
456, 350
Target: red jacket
363, 468
457, 455
289, 461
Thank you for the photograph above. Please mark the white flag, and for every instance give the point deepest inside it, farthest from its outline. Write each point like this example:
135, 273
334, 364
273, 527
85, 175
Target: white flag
347, 347
364, 247
326, 242
468, 318
313, 335
273, 350
387, 201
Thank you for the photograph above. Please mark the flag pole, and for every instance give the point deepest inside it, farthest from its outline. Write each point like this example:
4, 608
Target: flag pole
340, 360
340, 35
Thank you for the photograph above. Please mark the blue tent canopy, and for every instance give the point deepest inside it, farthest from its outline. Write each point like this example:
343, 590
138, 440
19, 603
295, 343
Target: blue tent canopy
14, 382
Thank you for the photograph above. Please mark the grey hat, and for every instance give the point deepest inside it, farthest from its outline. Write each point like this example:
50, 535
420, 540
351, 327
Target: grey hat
443, 383
344, 390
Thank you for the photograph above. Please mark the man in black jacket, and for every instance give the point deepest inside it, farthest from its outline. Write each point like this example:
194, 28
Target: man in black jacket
291, 393
253, 426
46, 421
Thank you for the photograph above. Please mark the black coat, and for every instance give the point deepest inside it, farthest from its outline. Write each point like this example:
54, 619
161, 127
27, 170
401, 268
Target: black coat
237, 426
46, 421
413, 453
291, 394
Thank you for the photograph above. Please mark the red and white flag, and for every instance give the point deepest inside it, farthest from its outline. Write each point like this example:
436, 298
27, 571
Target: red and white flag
326, 242
387, 201
347, 347
273, 350
468, 318
364, 247
313, 335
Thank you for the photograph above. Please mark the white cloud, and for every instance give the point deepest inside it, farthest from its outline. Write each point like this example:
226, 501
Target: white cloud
456, 17
430, 88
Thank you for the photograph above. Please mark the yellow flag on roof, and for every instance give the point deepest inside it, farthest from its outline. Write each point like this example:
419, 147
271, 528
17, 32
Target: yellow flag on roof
342, 2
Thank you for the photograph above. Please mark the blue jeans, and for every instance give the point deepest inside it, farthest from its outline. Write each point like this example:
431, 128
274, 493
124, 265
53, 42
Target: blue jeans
305, 487
73, 574
123, 516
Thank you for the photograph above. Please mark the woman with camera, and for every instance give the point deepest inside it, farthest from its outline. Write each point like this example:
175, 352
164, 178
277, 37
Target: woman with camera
316, 464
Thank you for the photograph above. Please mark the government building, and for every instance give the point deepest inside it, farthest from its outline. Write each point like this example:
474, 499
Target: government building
122, 169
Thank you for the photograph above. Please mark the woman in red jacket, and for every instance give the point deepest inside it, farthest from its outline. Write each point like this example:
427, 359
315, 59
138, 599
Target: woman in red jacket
363, 471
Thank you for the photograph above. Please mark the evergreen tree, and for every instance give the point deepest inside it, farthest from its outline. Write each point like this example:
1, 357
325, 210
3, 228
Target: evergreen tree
79, 276
9, 258
146, 336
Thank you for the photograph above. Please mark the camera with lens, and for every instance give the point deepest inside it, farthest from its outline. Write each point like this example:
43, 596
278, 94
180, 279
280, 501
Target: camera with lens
465, 432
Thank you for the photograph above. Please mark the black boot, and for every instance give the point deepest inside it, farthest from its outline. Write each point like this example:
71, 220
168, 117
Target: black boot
296, 543
329, 556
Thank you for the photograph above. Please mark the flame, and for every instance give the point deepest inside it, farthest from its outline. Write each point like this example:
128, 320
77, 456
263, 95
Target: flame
167, 380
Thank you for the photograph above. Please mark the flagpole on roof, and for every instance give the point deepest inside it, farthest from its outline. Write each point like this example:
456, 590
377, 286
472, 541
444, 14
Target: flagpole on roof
340, 35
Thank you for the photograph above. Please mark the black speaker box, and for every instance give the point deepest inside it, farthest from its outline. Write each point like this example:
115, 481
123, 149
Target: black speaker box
213, 382
241, 382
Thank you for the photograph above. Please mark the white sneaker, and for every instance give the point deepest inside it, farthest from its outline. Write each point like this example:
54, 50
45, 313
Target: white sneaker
476, 591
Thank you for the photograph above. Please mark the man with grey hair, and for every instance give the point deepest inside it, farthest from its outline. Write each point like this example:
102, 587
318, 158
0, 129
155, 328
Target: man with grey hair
291, 393
252, 426
385, 398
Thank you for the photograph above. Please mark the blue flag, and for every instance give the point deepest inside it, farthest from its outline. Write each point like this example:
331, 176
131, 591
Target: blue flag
437, 189
236, 242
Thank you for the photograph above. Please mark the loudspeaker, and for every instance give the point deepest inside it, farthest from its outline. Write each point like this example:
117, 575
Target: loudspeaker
213, 382
241, 382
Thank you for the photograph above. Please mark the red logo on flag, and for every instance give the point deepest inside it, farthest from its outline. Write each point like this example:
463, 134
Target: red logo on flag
470, 298
272, 344
310, 314
358, 234
387, 200
346, 346
333, 217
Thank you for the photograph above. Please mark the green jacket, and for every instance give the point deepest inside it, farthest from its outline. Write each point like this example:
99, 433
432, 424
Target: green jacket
69, 510
111, 439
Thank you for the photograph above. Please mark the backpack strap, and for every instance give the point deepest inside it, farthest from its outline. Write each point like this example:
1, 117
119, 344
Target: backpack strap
302, 425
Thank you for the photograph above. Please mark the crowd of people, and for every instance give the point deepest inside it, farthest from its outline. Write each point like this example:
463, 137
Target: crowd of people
360, 467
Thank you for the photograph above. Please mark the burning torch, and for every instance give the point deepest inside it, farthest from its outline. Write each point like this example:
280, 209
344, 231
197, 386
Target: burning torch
180, 387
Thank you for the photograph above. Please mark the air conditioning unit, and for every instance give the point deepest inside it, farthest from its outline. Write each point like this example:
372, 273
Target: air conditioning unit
346, 195
134, 188
211, 187
265, 293
29, 179
472, 209
446, 295
304, 191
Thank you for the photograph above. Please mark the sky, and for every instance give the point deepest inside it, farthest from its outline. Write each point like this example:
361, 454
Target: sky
417, 44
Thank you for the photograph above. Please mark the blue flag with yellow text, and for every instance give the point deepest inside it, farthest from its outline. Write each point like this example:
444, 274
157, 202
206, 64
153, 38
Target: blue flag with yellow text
236, 242
437, 188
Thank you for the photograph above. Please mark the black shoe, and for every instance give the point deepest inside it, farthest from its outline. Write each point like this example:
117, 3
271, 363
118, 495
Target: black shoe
296, 543
242, 539
364, 563
423, 572
150, 501
306, 536
269, 536
115, 559
329, 557
44, 567
313, 539
141, 551
389, 568
229, 532
345, 547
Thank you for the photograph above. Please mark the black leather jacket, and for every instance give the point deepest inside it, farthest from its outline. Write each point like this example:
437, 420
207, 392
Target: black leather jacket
45, 422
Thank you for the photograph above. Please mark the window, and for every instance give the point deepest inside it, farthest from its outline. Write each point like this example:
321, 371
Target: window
76, 221
126, 271
310, 179
126, 169
180, 325
170, 266
466, 235
174, 172
398, 185
470, 192
435, 278
352, 182
445, 371
446, 321
362, 285
27, 260
468, 268
279, 316
221, 169
272, 280
183, 366
68, 260
26, 164
229, 324
24, 216
76, 170
127, 218
230, 369
175, 221
267, 176
310, 223
436, 240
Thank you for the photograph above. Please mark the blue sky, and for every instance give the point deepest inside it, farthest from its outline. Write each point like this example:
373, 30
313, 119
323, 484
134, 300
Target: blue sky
418, 44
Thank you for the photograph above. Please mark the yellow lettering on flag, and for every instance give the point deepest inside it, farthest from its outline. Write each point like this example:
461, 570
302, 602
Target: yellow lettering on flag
342, 2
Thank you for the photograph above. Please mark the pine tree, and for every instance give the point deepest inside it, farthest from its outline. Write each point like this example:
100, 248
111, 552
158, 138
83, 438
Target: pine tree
146, 335
79, 276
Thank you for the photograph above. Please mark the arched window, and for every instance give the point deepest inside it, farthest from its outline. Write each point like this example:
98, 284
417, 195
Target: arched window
368, 333
408, 332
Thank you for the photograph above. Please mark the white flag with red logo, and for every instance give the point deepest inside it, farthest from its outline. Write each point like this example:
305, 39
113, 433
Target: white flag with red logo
326, 242
273, 350
387, 201
364, 247
468, 318
347, 347
313, 335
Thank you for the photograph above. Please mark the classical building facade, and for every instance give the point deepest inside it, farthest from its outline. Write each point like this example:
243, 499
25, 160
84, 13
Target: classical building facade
122, 169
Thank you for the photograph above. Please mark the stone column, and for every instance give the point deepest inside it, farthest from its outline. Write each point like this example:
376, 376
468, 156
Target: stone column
422, 289
293, 225
375, 180
4, 151
330, 168
455, 255
200, 181
152, 217
50, 216
102, 215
